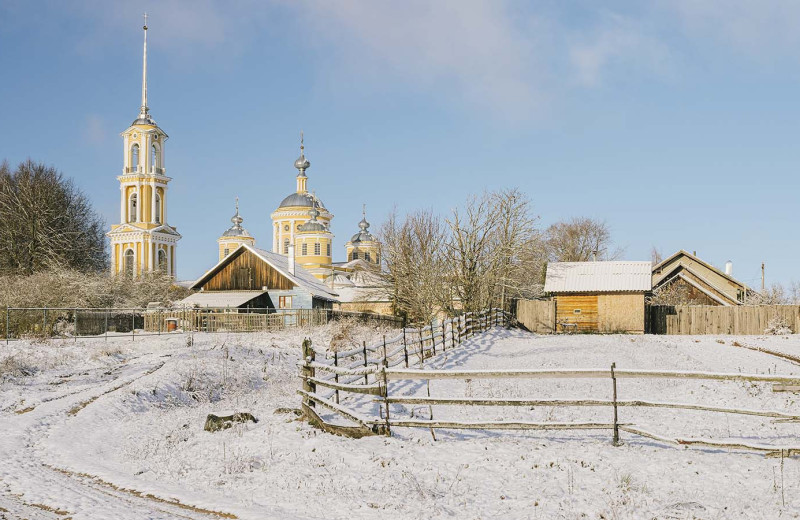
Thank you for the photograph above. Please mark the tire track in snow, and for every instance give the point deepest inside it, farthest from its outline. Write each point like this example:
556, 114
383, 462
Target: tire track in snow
50, 492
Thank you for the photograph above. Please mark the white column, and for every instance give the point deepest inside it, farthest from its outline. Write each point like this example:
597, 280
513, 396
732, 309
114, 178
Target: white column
164, 204
122, 204
153, 203
175, 259
138, 216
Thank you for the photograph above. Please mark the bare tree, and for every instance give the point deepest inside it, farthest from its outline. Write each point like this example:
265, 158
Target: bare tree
519, 252
655, 256
413, 263
45, 221
579, 240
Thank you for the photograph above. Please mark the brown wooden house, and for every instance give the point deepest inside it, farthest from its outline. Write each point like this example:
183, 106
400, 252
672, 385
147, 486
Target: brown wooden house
703, 283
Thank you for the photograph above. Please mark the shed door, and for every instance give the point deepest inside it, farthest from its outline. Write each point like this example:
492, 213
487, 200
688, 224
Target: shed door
577, 309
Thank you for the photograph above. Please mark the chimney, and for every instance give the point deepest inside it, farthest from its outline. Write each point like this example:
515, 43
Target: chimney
729, 268
291, 259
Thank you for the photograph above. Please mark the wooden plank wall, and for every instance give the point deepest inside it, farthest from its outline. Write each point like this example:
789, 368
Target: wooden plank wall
537, 315
710, 319
247, 272
586, 304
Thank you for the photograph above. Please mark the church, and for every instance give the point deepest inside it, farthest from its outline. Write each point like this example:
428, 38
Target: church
297, 272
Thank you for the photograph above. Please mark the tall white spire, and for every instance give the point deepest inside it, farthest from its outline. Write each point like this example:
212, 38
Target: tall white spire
144, 109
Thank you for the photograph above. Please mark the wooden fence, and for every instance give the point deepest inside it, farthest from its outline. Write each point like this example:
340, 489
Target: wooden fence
537, 316
72, 323
370, 370
710, 319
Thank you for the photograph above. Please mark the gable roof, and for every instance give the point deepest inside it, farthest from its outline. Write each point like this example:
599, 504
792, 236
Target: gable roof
664, 262
578, 277
220, 298
301, 277
678, 271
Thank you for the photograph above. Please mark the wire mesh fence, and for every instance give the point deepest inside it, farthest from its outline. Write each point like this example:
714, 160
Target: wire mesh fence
43, 322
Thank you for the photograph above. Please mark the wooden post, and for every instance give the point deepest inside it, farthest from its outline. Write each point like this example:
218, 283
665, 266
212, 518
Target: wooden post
385, 390
76, 326
616, 426
8, 323
44, 322
336, 375
421, 350
452, 333
366, 377
106, 327
308, 372
433, 339
133, 326
444, 336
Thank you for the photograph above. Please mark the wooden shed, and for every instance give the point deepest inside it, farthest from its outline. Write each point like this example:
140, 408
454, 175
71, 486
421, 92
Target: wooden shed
599, 296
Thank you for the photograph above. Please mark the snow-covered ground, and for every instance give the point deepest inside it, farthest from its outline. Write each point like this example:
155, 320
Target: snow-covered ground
95, 429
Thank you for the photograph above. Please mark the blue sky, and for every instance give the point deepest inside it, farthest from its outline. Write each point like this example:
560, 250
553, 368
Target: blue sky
674, 121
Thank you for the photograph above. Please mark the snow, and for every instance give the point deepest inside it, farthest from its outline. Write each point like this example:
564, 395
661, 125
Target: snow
104, 424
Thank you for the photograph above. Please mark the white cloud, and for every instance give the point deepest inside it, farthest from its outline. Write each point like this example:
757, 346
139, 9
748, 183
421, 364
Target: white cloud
615, 42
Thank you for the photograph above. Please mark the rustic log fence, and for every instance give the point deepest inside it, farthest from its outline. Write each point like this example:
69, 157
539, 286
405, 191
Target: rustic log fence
370, 370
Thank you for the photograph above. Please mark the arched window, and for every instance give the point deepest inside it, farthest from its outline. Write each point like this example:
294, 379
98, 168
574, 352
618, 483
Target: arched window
304, 249
354, 255
162, 260
134, 156
158, 208
132, 208
154, 157
128, 265
366, 256
317, 249
285, 246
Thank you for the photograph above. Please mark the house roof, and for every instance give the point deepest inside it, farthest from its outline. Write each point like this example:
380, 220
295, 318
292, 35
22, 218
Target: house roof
301, 277
678, 271
220, 298
664, 262
579, 277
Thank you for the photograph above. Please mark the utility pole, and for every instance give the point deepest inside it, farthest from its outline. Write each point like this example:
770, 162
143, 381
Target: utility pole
763, 287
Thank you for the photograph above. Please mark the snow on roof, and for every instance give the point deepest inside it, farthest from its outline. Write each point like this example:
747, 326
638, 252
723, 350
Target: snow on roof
574, 277
220, 298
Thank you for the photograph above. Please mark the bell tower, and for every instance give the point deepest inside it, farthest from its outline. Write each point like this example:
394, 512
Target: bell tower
143, 241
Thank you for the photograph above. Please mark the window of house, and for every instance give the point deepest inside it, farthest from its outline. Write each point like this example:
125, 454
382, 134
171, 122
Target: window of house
226, 252
366, 256
285, 302
286, 246
328, 249
304, 249
354, 255
576, 311
162, 260
317, 249
158, 209
154, 157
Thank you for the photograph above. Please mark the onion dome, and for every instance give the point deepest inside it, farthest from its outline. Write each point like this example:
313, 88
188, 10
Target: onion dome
236, 230
363, 235
299, 199
313, 226
302, 163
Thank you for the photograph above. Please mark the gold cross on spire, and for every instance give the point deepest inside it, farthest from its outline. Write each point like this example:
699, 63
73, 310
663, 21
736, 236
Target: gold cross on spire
145, 21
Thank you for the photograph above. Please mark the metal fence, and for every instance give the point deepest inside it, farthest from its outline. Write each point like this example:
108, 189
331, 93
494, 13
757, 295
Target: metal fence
43, 322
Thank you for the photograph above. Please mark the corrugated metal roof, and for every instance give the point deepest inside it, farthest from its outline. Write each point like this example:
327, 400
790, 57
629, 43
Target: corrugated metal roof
575, 277
220, 298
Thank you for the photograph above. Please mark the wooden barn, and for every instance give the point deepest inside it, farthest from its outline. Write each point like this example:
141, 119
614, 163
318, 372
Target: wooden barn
599, 296
702, 283
252, 278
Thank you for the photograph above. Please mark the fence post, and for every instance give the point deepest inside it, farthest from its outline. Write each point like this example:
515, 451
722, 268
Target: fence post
106, 328
616, 426
366, 376
8, 330
44, 322
133, 326
433, 339
335, 374
452, 333
421, 349
444, 336
385, 391
308, 371
76, 326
